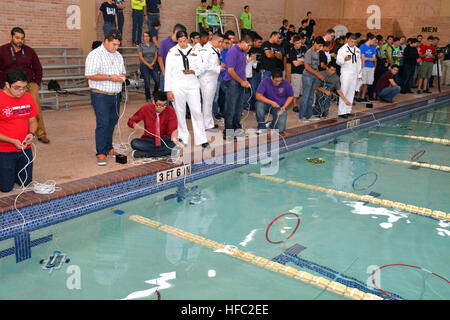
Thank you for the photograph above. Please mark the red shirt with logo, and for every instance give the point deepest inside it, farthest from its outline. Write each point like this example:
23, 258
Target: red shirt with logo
429, 52
14, 116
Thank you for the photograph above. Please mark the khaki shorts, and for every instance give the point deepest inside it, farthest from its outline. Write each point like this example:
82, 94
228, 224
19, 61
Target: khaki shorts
296, 82
426, 68
368, 75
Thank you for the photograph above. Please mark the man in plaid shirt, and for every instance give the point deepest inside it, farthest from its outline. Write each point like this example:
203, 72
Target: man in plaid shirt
106, 73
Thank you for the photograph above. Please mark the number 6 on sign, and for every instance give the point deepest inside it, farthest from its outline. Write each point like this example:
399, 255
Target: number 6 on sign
174, 173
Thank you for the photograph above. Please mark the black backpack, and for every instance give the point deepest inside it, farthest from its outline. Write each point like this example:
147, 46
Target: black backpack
53, 85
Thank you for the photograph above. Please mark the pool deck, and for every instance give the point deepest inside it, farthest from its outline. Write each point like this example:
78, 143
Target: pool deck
70, 159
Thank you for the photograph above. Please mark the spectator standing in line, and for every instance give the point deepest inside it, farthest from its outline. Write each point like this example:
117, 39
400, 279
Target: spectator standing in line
120, 18
284, 29
446, 71
137, 14
106, 73
166, 45
368, 61
349, 58
16, 54
387, 49
212, 66
154, 31
272, 54
153, 9
257, 77
309, 79
303, 30
109, 11
219, 98
183, 87
18, 125
311, 24
246, 21
386, 87
410, 56
148, 54
235, 84
427, 55
297, 61
324, 56
201, 14
273, 96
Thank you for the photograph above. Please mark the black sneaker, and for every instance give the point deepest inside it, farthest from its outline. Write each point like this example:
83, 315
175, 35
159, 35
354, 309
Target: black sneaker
138, 154
351, 114
206, 145
344, 116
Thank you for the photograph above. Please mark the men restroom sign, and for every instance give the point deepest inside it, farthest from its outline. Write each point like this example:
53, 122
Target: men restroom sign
429, 29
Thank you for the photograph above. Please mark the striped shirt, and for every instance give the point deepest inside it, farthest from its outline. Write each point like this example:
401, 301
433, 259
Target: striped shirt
100, 61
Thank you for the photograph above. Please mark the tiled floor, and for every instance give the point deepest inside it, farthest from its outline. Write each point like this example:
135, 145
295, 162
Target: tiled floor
70, 157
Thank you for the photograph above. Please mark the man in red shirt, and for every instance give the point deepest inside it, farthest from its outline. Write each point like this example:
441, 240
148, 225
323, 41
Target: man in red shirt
386, 87
160, 129
18, 125
427, 54
16, 54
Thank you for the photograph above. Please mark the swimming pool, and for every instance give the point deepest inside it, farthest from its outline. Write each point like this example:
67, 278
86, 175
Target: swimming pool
337, 239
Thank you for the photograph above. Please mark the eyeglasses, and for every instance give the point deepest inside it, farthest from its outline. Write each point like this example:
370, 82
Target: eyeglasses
161, 105
16, 88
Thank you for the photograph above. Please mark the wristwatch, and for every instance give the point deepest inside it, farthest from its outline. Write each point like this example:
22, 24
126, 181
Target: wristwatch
33, 134
109, 78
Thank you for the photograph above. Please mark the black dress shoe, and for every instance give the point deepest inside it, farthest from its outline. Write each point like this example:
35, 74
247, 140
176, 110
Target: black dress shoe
350, 114
344, 116
206, 145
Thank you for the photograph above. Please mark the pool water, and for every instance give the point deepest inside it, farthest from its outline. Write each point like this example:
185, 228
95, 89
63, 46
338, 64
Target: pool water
113, 257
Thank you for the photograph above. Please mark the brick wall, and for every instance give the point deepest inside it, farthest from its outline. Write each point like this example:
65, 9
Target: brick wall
44, 22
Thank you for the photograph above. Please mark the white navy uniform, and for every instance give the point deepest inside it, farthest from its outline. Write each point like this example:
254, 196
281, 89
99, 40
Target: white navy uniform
208, 81
185, 89
350, 72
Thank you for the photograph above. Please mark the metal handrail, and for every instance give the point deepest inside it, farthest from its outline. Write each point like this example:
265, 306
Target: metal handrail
220, 20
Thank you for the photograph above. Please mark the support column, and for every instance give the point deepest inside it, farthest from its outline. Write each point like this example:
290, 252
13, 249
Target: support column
87, 32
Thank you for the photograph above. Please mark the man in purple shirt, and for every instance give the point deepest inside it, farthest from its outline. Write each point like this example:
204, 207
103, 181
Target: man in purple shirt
273, 96
164, 48
235, 84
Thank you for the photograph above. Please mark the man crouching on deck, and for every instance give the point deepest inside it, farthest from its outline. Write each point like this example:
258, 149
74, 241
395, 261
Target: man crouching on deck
160, 129
18, 125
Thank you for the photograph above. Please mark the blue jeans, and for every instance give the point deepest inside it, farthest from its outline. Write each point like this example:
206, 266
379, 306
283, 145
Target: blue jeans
161, 81
107, 27
234, 105
219, 98
10, 165
120, 21
389, 93
150, 18
278, 122
255, 81
146, 74
138, 20
309, 85
151, 150
107, 110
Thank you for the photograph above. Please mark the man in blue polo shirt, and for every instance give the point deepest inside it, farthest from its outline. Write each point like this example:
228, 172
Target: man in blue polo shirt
273, 96
235, 84
368, 60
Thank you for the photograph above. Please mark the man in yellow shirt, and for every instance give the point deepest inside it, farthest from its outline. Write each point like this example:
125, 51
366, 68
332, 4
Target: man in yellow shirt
246, 21
138, 8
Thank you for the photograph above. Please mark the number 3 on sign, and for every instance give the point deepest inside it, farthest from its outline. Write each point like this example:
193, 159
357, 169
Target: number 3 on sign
174, 173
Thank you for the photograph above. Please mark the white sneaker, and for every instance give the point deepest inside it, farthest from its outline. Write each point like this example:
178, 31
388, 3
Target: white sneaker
303, 120
314, 118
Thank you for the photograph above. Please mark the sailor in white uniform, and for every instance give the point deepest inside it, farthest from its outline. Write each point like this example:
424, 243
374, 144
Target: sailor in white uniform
182, 85
349, 58
212, 66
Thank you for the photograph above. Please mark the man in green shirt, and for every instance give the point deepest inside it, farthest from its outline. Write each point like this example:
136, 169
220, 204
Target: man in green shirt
201, 10
137, 14
386, 49
246, 21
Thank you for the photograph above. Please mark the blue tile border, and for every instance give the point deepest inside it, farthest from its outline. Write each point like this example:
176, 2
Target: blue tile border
69, 207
